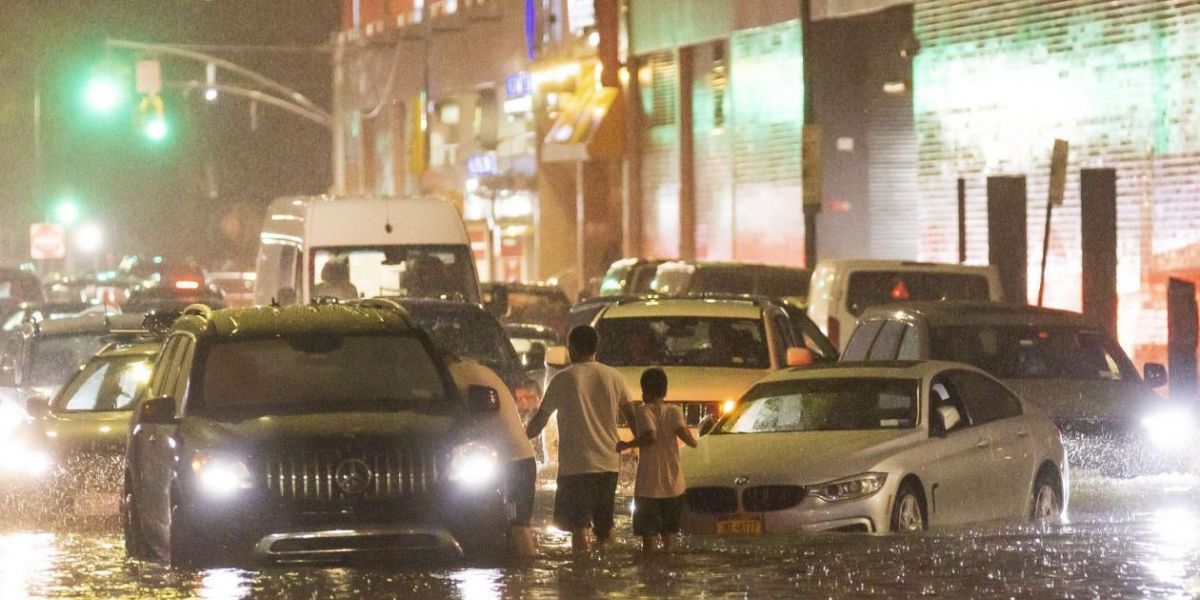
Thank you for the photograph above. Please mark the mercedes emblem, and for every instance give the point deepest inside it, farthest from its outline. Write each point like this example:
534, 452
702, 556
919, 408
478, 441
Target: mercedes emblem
353, 476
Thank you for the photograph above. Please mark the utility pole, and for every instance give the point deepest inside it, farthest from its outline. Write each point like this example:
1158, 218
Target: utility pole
810, 142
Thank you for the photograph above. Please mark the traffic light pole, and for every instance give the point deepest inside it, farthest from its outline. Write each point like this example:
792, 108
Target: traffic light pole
255, 95
286, 97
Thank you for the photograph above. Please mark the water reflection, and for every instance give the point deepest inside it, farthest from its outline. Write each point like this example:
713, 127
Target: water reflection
478, 584
26, 562
1176, 539
224, 584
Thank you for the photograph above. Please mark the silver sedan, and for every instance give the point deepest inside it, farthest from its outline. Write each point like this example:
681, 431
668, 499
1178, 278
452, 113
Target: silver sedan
875, 448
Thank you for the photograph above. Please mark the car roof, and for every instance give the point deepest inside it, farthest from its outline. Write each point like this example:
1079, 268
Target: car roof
530, 287
436, 305
297, 319
728, 264
899, 369
685, 307
962, 312
529, 328
856, 263
123, 349
84, 324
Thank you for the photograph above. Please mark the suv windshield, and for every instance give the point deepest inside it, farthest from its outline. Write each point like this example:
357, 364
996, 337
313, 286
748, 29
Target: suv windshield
825, 405
1026, 352
56, 358
320, 373
683, 341
872, 288
405, 271
106, 384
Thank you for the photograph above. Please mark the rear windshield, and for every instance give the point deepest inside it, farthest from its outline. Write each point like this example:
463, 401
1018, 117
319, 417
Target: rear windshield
1024, 352
872, 288
320, 373
683, 341
56, 358
825, 405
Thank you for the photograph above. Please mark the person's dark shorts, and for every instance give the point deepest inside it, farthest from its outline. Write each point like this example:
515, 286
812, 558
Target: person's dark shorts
586, 500
656, 516
522, 481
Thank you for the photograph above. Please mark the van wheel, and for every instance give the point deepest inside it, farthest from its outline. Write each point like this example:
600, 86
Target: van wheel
908, 513
1047, 502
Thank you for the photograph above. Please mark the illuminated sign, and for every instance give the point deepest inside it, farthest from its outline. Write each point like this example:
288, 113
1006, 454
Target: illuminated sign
518, 85
484, 163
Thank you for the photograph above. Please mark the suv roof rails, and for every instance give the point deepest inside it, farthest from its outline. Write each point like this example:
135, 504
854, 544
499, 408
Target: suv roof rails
131, 336
383, 304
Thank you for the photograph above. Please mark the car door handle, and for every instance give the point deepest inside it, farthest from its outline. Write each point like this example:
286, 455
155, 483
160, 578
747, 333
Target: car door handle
1022, 433
983, 443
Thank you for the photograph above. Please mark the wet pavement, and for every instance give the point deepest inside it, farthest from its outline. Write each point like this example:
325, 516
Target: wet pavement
1131, 538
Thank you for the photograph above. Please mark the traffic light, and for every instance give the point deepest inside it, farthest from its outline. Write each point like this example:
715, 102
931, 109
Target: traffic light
152, 118
103, 93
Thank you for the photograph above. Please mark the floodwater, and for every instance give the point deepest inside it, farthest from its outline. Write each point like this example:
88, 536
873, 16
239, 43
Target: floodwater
1130, 538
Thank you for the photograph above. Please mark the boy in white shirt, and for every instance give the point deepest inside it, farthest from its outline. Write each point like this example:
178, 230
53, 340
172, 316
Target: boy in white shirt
658, 491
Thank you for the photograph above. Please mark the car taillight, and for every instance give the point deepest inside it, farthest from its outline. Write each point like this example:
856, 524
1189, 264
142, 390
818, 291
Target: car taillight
834, 331
184, 284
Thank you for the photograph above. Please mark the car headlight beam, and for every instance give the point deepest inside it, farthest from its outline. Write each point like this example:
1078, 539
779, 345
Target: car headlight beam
474, 465
1170, 427
849, 488
220, 477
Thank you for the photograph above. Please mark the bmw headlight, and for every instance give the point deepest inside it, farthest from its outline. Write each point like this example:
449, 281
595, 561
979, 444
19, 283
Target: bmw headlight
11, 418
858, 486
220, 477
474, 465
1170, 427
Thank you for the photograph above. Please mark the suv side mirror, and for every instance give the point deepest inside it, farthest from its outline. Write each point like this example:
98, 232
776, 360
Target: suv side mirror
558, 357
800, 357
535, 358
37, 406
945, 420
482, 399
157, 411
707, 424
1155, 375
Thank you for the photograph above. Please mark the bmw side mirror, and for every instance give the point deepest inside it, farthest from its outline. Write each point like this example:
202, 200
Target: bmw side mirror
1155, 375
37, 406
482, 399
707, 424
157, 411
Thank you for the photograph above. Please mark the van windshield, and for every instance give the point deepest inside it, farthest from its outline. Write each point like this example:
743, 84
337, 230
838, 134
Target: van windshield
872, 288
432, 271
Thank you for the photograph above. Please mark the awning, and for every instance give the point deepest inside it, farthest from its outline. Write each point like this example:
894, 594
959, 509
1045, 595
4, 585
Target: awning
590, 129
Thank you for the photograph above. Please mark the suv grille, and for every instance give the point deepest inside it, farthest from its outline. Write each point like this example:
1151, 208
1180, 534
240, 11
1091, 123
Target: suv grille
765, 498
388, 474
712, 499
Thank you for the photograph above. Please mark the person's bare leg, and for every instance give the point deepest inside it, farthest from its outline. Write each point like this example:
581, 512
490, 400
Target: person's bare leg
581, 540
668, 540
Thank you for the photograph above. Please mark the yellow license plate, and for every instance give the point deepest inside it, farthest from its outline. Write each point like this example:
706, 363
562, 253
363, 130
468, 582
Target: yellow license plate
739, 527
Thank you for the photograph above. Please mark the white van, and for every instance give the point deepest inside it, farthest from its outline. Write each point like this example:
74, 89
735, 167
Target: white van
842, 289
348, 248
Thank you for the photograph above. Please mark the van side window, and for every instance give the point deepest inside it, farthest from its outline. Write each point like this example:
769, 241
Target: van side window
887, 343
861, 340
984, 399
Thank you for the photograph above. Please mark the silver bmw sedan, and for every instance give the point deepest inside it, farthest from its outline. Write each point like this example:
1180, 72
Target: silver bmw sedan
879, 447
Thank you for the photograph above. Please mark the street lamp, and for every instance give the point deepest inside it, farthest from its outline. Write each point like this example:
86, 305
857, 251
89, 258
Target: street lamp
103, 94
89, 237
66, 212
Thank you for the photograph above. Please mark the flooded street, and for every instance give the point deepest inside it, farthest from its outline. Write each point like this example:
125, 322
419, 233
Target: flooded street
1125, 539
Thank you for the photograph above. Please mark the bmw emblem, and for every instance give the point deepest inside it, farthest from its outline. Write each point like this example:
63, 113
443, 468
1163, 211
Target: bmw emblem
741, 481
353, 476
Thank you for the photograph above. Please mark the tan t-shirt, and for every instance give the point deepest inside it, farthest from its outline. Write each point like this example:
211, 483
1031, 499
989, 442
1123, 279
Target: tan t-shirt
502, 429
587, 397
658, 474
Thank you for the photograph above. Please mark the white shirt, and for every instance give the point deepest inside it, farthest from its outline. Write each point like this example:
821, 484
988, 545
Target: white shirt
587, 397
658, 473
501, 429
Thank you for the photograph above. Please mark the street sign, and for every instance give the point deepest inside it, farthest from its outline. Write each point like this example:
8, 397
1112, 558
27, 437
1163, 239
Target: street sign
1058, 172
47, 241
149, 77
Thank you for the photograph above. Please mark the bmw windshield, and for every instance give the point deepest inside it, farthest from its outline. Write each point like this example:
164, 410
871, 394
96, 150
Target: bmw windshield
319, 373
840, 404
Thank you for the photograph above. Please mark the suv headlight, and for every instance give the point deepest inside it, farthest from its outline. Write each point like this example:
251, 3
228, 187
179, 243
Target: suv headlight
858, 486
474, 465
219, 476
1169, 427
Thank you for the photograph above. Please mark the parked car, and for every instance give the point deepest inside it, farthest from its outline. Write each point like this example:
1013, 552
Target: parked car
842, 289
237, 287
48, 311
66, 459
677, 278
537, 303
531, 342
629, 277
1059, 361
246, 406
876, 448
38, 357
172, 297
18, 287
712, 350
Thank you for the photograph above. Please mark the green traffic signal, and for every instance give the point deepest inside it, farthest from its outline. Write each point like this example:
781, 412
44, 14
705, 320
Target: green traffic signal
155, 128
66, 212
103, 93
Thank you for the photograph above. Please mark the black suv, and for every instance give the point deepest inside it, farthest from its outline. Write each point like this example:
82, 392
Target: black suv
321, 432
